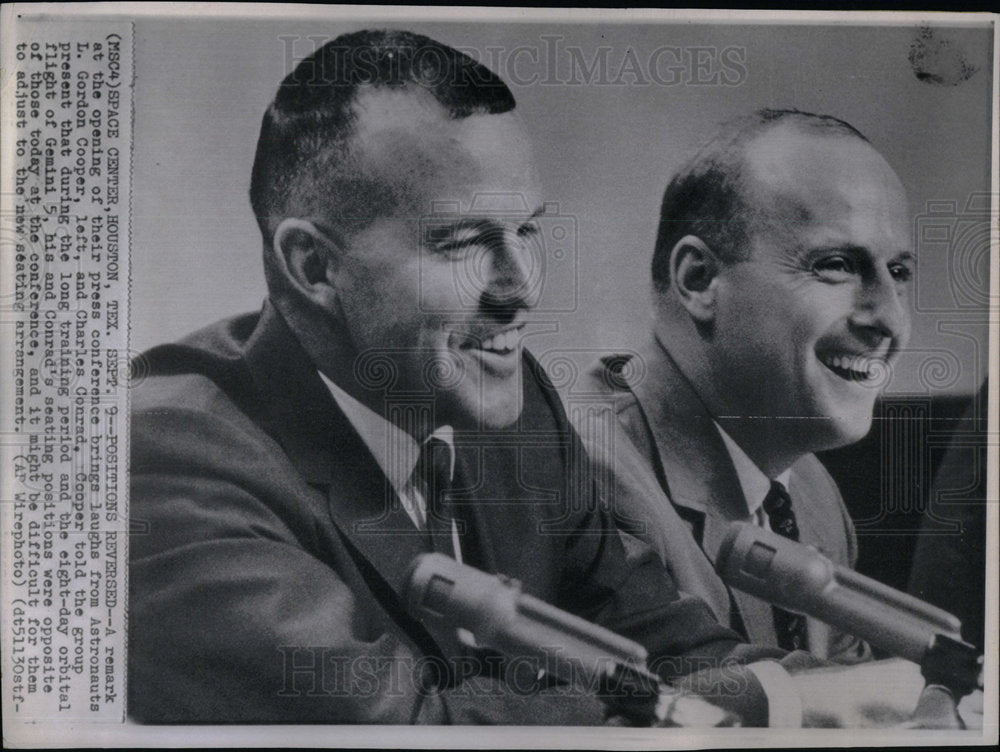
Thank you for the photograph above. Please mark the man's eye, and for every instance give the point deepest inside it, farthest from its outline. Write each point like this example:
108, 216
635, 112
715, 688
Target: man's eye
461, 243
528, 229
901, 272
456, 247
835, 268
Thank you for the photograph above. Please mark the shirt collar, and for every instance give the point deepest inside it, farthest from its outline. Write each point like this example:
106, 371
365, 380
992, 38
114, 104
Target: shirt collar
395, 451
754, 483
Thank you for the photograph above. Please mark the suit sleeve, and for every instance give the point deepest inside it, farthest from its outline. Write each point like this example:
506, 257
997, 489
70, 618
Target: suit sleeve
620, 583
236, 617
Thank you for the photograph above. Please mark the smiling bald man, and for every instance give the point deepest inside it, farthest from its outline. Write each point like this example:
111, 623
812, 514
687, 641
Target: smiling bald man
780, 275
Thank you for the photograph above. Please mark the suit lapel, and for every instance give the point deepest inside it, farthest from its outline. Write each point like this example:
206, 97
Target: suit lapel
297, 409
294, 406
805, 502
699, 473
516, 487
697, 468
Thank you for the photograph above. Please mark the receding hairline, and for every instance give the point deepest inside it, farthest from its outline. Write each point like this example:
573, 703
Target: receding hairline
381, 114
748, 165
308, 126
708, 197
756, 187
404, 140
383, 120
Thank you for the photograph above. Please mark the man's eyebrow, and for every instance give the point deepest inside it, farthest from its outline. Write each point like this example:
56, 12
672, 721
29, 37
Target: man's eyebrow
439, 226
848, 248
459, 223
540, 211
856, 250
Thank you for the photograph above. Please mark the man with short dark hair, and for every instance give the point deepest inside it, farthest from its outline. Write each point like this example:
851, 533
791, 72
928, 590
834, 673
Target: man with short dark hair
780, 277
292, 464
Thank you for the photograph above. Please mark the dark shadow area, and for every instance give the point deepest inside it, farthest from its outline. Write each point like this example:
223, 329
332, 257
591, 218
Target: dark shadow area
891, 485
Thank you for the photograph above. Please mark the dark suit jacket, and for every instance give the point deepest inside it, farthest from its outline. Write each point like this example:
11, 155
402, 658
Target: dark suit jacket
674, 483
949, 566
266, 586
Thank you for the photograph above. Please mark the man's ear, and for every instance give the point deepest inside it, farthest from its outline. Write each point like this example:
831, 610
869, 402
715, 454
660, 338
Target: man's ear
694, 271
308, 259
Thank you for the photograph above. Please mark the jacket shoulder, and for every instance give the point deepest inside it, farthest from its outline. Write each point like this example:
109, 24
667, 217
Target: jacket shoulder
605, 384
194, 373
608, 375
831, 520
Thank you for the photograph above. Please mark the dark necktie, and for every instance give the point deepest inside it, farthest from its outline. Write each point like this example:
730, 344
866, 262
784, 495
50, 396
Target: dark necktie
434, 466
790, 628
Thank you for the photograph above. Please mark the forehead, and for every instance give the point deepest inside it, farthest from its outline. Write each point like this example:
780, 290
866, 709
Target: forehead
826, 185
409, 143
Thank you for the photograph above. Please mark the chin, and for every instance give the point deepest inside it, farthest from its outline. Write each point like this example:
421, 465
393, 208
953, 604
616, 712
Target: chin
502, 412
848, 429
473, 410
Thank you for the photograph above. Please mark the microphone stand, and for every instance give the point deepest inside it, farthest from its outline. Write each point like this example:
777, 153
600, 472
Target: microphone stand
799, 578
578, 653
952, 669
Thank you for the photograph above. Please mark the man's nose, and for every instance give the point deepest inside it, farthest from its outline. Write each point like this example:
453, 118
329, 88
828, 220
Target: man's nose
880, 312
515, 271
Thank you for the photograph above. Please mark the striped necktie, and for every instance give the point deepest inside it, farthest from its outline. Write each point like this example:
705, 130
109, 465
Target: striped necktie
790, 628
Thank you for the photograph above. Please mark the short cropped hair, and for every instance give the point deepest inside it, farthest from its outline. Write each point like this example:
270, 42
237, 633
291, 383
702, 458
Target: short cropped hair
706, 197
304, 161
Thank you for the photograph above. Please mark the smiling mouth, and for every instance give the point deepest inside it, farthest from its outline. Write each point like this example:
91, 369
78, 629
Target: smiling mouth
853, 367
501, 343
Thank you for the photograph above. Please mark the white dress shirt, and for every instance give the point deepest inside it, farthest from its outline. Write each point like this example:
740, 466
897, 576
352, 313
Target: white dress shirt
754, 483
397, 454
784, 707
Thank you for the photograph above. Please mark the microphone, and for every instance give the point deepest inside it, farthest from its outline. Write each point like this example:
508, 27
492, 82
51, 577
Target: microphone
799, 578
575, 651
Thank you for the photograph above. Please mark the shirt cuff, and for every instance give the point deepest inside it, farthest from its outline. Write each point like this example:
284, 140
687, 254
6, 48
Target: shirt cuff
784, 706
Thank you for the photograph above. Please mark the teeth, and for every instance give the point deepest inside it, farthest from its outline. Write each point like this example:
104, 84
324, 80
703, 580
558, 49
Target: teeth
857, 365
502, 342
